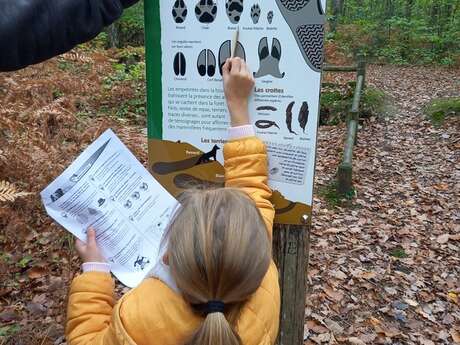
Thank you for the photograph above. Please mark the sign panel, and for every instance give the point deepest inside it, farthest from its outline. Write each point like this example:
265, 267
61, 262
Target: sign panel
188, 42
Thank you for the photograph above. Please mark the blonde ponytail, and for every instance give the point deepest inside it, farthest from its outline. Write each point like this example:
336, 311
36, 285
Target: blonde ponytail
218, 253
215, 330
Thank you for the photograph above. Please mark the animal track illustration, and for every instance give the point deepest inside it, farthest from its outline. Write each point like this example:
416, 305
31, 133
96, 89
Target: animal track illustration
225, 52
269, 63
306, 20
206, 63
270, 16
179, 11
180, 65
234, 10
255, 13
303, 116
206, 11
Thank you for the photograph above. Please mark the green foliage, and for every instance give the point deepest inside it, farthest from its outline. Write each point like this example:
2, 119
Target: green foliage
401, 31
439, 109
336, 102
24, 261
131, 26
9, 330
333, 197
399, 253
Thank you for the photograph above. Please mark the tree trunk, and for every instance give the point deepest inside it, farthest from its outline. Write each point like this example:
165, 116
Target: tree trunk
291, 252
113, 36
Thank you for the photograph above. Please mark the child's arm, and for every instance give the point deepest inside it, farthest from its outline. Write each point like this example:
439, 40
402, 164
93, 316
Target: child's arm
246, 165
91, 301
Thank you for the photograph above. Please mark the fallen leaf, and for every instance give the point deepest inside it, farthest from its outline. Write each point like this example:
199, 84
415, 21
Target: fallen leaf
425, 341
411, 302
36, 272
455, 335
356, 341
316, 327
333, 326
443, 238
334, 295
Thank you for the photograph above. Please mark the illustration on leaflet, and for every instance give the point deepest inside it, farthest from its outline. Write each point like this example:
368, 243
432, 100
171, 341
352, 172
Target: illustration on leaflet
269, 63
179, 11
206, 63
180, 64
234, 9
206, 11
225, 52
255, 13
309, 37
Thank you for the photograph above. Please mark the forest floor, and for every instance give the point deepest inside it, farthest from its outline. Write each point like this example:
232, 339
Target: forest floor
384, 266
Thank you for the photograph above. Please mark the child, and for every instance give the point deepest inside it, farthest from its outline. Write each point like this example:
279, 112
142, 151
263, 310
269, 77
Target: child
219, 285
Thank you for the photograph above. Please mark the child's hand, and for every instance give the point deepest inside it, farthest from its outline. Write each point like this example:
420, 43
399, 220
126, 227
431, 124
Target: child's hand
238, 85
89, 251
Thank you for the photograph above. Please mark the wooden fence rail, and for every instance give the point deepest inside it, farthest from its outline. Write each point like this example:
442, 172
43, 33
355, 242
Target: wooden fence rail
345, 170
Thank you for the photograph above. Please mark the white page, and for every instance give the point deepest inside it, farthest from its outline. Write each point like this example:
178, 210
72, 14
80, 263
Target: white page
107, 188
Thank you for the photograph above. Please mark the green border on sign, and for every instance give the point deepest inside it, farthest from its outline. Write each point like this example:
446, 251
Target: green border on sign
153, 69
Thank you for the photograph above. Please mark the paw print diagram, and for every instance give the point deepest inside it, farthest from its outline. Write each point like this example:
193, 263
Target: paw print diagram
255, 13
306, 20
179, 11
269, 63
206, 63
179, 65
206, 11
270, 16
234, 10
225, 53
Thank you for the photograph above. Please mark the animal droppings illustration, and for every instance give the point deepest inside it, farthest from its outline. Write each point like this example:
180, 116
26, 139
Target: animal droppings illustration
303, 116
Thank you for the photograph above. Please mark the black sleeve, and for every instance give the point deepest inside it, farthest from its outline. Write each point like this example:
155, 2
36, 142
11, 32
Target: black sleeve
32, 31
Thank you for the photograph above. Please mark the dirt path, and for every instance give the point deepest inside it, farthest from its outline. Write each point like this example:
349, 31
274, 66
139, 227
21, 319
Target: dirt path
385, 270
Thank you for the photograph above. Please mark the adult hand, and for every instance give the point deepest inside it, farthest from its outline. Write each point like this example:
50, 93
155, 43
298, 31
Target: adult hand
238, 86
89, 251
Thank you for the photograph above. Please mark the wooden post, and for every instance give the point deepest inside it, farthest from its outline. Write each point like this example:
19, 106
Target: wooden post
291, 245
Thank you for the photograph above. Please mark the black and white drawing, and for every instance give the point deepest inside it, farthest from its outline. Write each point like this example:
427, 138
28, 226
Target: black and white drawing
303, 116
206, 11
179, 11
206, 63
266, 108
141, 262
225, 52
180, 65
234, 9
265, 124
269, 62
289, 117
255, 13
306, 20
270, 16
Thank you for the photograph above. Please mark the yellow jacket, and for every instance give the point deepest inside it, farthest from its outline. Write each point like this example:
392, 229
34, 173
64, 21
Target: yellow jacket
152, 313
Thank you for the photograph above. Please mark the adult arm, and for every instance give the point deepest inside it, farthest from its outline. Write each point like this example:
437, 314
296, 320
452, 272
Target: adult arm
32, 31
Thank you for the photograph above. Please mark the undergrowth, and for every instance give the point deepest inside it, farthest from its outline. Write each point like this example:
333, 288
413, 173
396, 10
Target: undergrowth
440, 109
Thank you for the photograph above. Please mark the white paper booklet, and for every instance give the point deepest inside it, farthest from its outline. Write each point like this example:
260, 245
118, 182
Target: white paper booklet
107, 188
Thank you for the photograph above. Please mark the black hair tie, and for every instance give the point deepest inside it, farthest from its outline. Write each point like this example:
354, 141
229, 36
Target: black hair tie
210, 307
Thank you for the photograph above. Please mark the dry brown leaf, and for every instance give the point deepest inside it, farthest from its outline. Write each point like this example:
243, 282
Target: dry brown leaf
36, 272
444, 238
316, 327
455, 334
356, 341
333, 294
